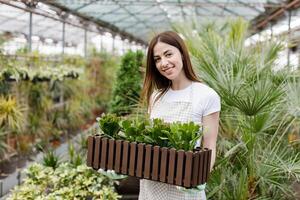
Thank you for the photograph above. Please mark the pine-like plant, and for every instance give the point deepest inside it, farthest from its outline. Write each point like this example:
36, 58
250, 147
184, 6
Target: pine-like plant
128, 84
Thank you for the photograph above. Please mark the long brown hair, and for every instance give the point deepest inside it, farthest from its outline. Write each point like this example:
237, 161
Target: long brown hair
153, 79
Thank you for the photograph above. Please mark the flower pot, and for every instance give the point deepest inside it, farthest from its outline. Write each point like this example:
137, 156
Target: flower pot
11, 143
168, 165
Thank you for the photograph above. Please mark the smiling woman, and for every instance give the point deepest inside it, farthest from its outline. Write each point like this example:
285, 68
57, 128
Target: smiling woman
173, 92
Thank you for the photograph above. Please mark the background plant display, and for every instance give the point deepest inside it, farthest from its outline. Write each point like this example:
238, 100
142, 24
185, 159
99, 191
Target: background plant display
41, 106
258, 148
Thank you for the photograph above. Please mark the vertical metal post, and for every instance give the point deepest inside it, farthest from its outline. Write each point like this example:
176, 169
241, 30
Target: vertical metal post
63, 37
101, 41
30, 32
123, 46
113, 44
19, 177
271, 28
289, 37
85, 42
1, 189
298, 58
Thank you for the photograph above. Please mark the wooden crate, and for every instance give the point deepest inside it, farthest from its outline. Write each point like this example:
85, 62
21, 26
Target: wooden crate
168, 165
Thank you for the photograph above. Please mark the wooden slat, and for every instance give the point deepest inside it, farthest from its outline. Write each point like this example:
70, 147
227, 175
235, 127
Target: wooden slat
188, 169
201, 161
104, 152
148, 161
205, 166
155, 164
118, 157
97, 154
132, 161
196, 169
172, 167
111, 152
90, 154
179, 170
125, 157
163, 165
140, 160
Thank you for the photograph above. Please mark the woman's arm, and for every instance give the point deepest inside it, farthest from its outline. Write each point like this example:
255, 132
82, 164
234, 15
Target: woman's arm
211, 127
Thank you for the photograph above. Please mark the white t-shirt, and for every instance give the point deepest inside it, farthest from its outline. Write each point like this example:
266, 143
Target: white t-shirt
204, 99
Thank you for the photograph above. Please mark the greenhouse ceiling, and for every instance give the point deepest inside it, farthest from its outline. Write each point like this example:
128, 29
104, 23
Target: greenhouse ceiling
137, 20
142, 18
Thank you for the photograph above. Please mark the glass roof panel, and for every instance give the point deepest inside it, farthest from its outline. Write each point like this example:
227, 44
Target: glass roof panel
138, 18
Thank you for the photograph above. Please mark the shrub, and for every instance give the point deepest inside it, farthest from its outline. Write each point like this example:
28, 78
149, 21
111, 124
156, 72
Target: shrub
128, 84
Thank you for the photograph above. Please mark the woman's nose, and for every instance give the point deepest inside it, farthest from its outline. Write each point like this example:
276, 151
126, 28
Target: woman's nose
164, 62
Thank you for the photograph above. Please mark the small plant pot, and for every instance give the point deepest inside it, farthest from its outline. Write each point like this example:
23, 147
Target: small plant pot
11, 143
168, 165
21, 162
8, 166
55, 143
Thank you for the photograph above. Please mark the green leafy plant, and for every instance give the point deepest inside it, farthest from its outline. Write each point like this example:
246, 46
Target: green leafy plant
3, 145
75, 158
134, 129
50, 159
157, 133
183, 135
11, 113
64, 182
109, 124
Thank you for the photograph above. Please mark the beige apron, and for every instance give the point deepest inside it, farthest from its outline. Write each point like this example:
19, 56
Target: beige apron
152, 190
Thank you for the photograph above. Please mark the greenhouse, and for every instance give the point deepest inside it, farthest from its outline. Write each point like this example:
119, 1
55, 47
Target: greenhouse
150, 99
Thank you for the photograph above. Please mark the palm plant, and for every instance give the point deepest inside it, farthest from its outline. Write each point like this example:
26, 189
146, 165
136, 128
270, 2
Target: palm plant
254, 160
11, 113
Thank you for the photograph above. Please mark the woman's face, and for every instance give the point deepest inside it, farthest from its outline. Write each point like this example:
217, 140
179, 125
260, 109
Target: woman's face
168, 61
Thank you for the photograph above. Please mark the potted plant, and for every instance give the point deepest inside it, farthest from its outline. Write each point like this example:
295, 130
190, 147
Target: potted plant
11, 118
130, 147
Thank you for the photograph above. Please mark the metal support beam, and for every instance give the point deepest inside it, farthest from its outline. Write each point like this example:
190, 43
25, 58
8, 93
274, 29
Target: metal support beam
123, 46
271, 28
30, 33
289, 38
294, 4
101, 43
85, 42
63, 37
113, 44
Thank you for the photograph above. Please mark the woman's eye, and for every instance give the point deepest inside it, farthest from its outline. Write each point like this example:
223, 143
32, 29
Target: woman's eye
156, 60
168, 55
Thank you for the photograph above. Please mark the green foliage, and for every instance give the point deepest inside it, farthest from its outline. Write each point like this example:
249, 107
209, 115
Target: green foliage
259, 106
50, 159
3, 145
134, 129
156, 132
183, 135
75, 158
109, 124
128, 84
65, 182
11, 114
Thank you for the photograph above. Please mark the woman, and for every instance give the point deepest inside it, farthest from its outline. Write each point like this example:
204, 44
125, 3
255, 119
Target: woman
173, 92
